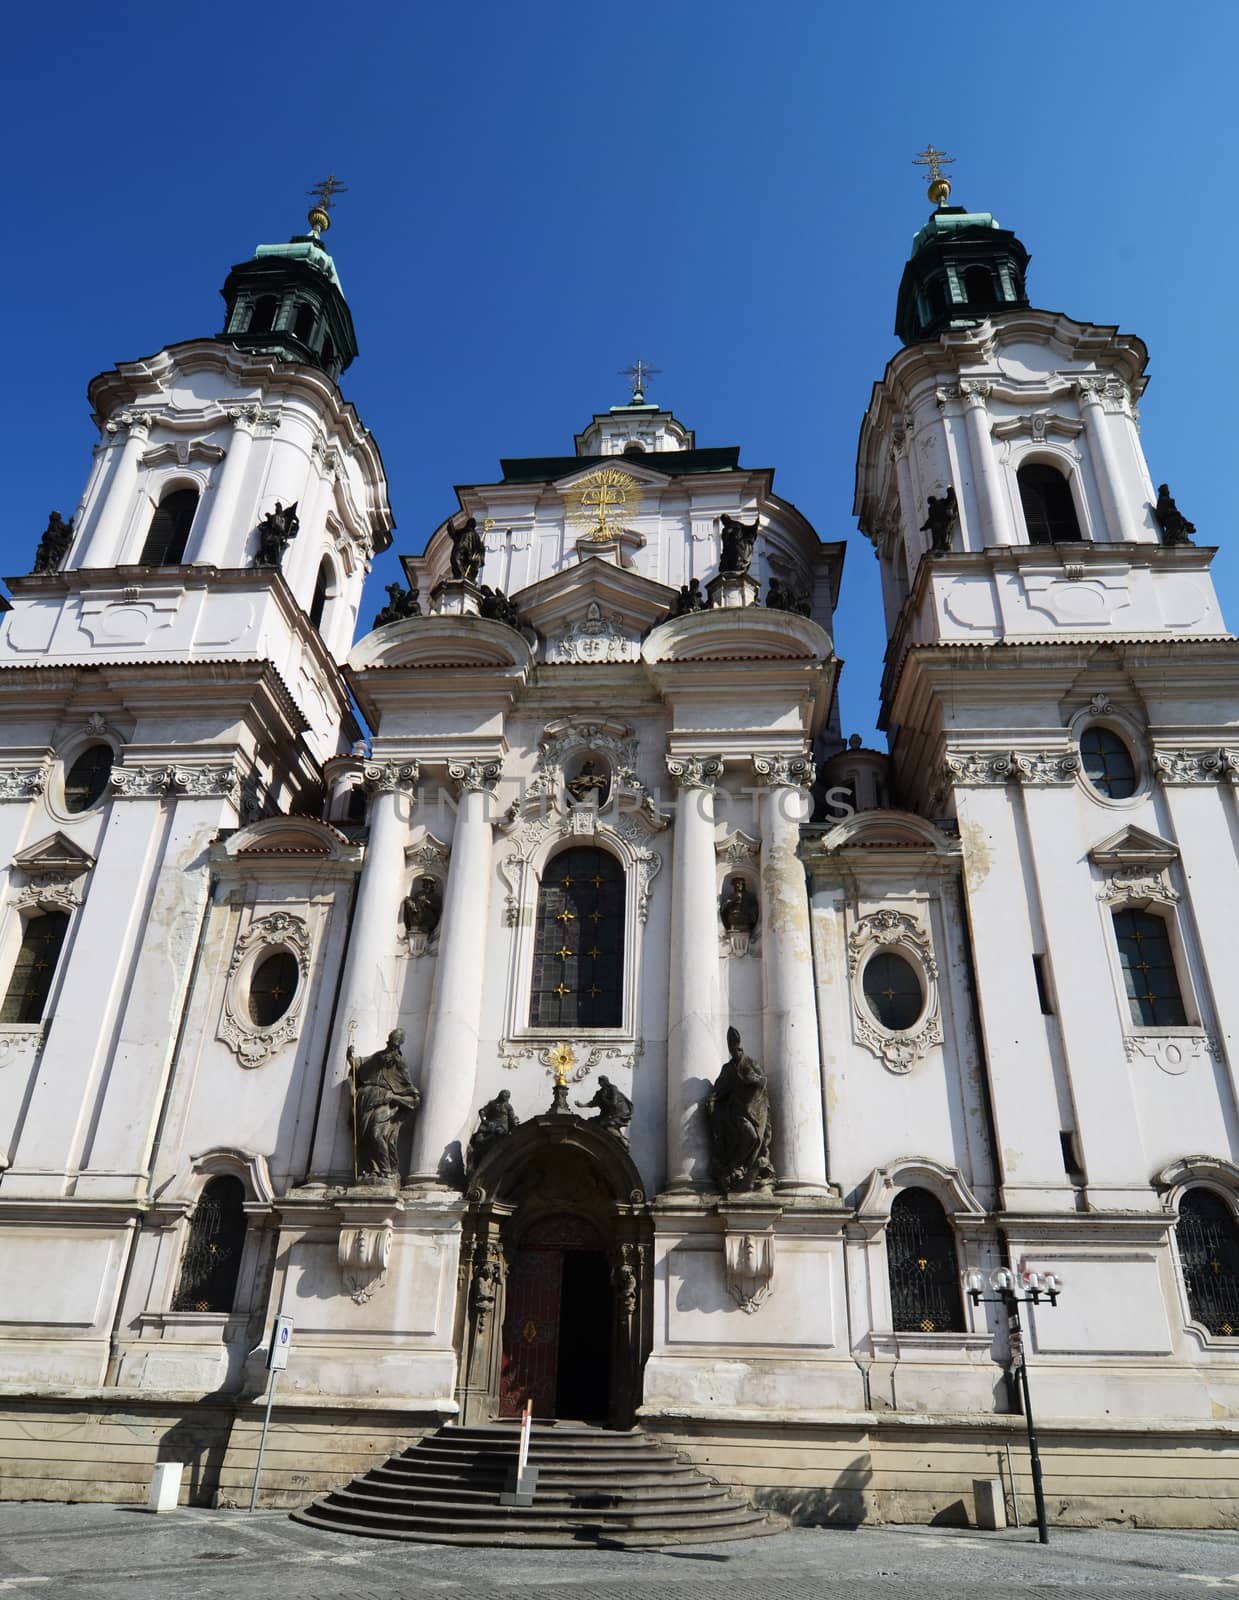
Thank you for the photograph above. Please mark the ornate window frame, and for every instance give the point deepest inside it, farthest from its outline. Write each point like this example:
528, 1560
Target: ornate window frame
898, 933
546, 819
1135, 874
1220, 1177
49, 875
970, 1222
96, 730
265, 935
1066, 458
1101, 712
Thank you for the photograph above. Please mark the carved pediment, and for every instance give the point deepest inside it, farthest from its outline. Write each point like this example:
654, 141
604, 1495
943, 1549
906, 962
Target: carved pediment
56, 854
1133, 846
623, 600
290, 836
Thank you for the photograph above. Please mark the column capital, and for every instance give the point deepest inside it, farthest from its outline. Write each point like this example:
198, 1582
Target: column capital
784, 771
475, 777
1091, 388
695, 772
136, 423
390, 777
975, 392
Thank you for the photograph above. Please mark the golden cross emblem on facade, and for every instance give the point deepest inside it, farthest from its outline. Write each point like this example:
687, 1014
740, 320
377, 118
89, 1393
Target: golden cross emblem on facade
601, 498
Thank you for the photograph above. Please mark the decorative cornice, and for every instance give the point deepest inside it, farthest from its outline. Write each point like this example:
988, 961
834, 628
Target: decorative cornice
390, 777
22, 783
1011, 766
694, 772
204, 782
475, 777
784, 771
1197, 766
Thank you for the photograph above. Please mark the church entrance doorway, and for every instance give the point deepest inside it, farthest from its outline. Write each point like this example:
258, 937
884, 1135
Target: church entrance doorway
558, 1322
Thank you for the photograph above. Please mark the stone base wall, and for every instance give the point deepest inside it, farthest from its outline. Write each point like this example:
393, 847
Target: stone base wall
74, 1449
920, 1469
912, 1468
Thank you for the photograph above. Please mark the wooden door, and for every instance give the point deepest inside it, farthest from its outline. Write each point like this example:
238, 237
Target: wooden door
532, 1317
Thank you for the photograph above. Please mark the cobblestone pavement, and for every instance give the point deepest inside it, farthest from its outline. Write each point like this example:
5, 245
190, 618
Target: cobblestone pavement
118, 1553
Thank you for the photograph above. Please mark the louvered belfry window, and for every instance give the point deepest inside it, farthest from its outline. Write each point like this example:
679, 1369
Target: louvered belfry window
212, 1257
1208, 1243
578, 961
924, 1271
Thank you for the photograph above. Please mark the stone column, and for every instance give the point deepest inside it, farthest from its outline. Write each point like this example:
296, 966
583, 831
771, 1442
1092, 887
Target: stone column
216, 547
991, 502
696, 1033
102, 545
450, 1064
366, 1007
789, 1042
1105, 467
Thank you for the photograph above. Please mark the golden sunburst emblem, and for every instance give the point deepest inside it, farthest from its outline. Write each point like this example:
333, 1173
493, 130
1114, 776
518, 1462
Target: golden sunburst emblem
600, 503
561, 1059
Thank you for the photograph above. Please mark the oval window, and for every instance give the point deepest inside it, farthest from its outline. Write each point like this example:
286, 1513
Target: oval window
272, 988
88, 777
893, 991
1108, 765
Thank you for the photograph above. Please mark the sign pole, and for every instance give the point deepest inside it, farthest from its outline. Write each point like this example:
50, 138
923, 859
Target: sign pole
277, 1360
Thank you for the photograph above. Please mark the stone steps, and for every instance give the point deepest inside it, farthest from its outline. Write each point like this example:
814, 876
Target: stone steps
594, 1486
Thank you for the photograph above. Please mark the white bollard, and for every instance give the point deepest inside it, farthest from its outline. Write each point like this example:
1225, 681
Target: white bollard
165, 1492
991, 1507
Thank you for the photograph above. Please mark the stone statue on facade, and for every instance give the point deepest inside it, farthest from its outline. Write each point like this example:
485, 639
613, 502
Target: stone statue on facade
739, 538
738, 1108
54, 545
941, 518
689, 599
737, 908
496, 605
382, 1098
1176, 529
422, 907
783, 597
496, 1120
588, 781
276, 532
613, 1106
401, 603
468, 549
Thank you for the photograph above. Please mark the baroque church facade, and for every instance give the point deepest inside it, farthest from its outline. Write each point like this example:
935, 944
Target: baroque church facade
598, 1027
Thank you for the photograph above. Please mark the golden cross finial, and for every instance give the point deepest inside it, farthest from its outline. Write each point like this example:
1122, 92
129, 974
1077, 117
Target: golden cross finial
636, 375
325, 193
935, 160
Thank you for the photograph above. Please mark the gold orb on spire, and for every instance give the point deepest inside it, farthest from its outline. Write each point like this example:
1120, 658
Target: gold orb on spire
324, 193
935, 160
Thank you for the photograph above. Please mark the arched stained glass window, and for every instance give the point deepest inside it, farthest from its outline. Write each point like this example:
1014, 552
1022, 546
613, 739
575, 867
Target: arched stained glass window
31, 982
1149, 974
212, 1256
1208, 1242
1049, 510
169, 530
578, 961
1108, 765
924, 1271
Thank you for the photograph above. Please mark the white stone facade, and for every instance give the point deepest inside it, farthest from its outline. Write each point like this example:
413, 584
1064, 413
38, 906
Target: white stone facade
242, 822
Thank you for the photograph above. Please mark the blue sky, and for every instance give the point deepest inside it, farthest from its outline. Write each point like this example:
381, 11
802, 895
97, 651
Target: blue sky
538, 193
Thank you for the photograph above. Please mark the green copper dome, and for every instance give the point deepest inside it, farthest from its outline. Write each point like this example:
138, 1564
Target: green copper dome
964, 268
286, 301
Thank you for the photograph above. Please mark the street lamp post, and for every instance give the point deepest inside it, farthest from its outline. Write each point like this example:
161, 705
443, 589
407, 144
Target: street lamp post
1040, 1286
